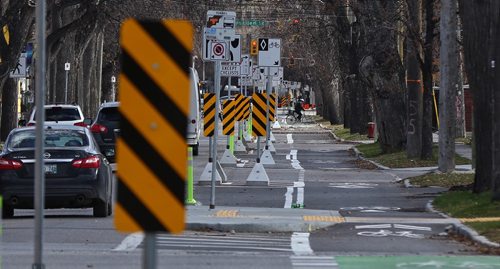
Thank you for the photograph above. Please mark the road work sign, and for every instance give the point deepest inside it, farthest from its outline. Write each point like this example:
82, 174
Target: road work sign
152, 149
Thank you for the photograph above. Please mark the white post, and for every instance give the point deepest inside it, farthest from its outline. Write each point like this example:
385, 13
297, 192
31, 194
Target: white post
67, 67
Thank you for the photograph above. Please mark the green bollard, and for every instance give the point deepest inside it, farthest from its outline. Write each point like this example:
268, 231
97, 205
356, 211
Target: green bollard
231, 143
190, 196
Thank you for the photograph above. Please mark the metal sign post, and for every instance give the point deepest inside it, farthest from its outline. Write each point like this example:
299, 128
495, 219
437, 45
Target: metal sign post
67, 67
149, 255
214, 144
268, 93
40, 136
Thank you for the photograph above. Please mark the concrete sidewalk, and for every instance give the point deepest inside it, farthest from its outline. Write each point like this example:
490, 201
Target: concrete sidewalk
253, 219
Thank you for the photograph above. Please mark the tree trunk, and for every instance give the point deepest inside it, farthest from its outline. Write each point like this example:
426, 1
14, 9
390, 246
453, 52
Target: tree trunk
382, 71
447, 88
428, 101
9, 108
480, 20
414, 82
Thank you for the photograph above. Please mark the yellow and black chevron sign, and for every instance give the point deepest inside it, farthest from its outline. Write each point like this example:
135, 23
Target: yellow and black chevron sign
272, 107
154, 104
259, 118
246, 108
209, 114
228, 117
239, 106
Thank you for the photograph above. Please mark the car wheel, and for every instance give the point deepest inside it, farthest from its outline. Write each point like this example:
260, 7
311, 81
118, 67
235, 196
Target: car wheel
110, 208
100, 209
7, 212
195, 149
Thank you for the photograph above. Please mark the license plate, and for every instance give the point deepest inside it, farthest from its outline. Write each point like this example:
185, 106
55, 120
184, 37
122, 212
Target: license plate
50, 168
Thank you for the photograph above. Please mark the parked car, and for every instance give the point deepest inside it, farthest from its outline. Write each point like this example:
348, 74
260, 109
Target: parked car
60, 114
194, 117
105, 128
77, 175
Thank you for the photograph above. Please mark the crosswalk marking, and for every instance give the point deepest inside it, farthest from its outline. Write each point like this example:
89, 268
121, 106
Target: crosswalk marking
221, 242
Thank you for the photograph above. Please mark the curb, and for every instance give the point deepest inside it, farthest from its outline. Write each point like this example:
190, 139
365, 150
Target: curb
463, 229
360, 156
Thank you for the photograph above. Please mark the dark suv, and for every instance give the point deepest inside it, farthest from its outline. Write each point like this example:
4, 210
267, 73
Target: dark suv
105, 127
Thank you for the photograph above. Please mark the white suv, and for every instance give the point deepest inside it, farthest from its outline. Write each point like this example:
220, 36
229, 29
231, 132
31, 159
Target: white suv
60, 115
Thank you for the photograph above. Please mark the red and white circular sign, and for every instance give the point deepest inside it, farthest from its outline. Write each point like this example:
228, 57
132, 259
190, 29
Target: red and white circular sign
218, 49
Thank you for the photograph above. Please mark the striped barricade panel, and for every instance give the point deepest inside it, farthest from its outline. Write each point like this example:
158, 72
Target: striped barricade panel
208, 114
228, 117
259, 114
152, 149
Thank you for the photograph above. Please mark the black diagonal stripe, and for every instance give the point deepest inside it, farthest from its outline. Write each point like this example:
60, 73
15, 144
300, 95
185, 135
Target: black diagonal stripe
153, 93
229, 111
209, 122
137, 210
256, 131
208, 97
151, 158
260, 122
209, 109
169, 44
260, 109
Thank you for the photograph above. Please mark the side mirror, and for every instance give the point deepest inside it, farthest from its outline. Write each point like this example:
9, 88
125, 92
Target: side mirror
87, 121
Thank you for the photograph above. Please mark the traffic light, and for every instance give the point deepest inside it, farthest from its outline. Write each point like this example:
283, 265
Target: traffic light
254, 47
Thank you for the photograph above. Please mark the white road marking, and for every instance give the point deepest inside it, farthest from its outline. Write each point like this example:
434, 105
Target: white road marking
288, 197
289, 139
299, 184
372, 211
374, 226
314, 262
300, 196
411, 227
300, 244
384, 233
130, 242
348, 185
361, 208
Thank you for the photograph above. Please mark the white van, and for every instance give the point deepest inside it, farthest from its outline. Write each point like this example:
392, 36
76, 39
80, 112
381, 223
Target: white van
194, 130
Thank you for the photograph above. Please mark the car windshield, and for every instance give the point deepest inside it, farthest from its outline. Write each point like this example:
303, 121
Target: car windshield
58, 113
53, 138
109, 114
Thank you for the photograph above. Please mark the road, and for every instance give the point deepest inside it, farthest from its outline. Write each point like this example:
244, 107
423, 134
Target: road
382, 223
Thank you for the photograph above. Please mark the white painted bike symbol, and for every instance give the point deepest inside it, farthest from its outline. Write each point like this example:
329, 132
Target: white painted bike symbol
442, 264
384, 233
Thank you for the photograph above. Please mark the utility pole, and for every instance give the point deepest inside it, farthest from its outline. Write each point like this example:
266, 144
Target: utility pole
448, 86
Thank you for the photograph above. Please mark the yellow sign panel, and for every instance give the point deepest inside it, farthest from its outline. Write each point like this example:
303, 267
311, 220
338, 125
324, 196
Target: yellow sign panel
228, 119
208, 114
154, 104
259, 118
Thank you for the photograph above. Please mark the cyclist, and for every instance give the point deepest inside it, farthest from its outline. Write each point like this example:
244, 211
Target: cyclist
299, 108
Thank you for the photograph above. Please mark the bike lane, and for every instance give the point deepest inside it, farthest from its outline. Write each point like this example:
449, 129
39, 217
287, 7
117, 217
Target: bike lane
421, 262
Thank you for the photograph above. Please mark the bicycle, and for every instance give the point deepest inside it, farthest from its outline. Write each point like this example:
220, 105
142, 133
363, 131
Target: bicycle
292, 117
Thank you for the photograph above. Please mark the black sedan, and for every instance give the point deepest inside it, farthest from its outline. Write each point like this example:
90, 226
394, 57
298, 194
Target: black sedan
77, 175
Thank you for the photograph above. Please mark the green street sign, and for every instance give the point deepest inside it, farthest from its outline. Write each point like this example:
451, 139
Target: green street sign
250, 23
